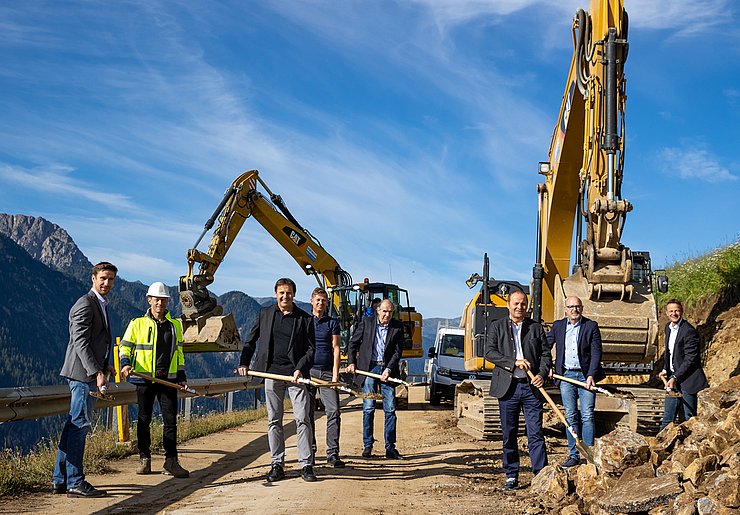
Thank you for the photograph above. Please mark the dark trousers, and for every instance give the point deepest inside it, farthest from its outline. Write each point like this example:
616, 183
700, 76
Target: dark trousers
167, 398
672, 404
518, 397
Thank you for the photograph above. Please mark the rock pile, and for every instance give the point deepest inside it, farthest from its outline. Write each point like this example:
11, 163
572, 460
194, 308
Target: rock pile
686, 469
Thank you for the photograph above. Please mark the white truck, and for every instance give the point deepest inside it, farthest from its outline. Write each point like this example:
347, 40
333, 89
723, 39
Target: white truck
445, 366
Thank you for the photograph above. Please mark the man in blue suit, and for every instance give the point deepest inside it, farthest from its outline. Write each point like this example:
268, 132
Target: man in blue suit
682, 364
577, 342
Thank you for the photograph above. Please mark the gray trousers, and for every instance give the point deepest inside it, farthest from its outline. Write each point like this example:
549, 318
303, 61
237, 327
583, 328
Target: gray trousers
275, 397
330, 399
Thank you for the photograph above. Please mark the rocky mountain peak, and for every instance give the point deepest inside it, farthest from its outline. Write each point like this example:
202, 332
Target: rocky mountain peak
46, 242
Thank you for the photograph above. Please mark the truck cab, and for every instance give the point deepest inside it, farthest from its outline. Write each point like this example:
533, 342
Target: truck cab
445, 366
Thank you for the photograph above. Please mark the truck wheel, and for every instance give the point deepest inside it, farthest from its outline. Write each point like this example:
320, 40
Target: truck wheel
434, 397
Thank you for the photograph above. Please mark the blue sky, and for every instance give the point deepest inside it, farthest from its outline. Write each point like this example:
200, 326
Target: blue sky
404, 135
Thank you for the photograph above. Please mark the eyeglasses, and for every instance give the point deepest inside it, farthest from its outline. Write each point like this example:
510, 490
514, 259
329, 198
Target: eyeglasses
574, 307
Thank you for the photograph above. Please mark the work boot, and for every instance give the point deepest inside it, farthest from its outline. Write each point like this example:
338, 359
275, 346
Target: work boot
367, 452
145, 466
172, 467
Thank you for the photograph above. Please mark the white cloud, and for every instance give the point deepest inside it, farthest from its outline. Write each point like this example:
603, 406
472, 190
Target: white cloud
694, 163
57, 180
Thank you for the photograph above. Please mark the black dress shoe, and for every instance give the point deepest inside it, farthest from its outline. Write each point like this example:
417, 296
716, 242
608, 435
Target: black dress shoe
393, 454
276, 473
367, 452
335, 461
58, 488
307, 474
85, 489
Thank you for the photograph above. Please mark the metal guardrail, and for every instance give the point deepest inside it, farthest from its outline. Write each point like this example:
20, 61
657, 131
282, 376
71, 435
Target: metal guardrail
26, 403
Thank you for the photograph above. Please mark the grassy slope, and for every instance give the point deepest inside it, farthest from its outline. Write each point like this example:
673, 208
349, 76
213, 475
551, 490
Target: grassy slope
708, 275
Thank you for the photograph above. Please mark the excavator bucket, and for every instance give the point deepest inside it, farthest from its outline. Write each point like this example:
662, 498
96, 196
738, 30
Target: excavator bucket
629, 330
211, 334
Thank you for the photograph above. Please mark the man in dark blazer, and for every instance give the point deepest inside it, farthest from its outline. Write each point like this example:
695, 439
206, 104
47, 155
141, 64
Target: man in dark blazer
284, 337
681, 365
577, 341
86, 367
516, 344
379, 341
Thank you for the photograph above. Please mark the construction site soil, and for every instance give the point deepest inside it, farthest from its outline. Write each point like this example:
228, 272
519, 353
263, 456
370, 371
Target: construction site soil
444, 470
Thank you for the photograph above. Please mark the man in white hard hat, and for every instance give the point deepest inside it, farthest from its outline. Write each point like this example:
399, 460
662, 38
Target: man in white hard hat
152, 347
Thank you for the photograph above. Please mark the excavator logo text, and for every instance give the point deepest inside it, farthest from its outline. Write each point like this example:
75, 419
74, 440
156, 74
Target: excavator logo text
293, 235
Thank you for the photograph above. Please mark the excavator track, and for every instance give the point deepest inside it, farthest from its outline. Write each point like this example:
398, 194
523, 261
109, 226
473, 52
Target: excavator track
477, 413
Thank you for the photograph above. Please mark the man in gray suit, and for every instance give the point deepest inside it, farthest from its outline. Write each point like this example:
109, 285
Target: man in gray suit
85, 367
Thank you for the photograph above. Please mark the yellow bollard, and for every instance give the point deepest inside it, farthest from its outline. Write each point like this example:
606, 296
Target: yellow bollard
124, 434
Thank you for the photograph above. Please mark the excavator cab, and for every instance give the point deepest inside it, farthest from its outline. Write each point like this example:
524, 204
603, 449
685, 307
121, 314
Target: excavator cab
358, 302
478, 314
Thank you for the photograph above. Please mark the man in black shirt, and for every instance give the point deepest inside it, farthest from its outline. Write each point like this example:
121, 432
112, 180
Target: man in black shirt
286, 346
326, 367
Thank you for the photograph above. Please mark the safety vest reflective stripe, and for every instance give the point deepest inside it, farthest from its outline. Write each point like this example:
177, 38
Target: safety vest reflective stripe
139, 346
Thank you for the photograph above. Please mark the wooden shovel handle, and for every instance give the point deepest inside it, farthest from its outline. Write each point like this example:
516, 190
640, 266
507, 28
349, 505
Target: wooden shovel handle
162, 381
378, 376
582, 384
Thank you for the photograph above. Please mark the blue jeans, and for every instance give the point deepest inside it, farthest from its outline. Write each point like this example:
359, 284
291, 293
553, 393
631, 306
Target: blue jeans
671, 405
68, 468
583, 424
368, 410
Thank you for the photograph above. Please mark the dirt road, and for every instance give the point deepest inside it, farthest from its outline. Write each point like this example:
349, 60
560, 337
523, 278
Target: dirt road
444, 471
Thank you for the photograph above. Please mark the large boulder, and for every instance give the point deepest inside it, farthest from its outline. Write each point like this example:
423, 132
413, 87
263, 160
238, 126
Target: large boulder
720, 397
619, 450
641, 472
699, 467
551, 481
725, 488
641, 494
663, 444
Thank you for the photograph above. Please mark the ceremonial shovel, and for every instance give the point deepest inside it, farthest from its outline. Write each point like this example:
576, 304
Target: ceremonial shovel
670, 392
595, 388
345, 388
162, 381
582, 447
317, 383
378, 376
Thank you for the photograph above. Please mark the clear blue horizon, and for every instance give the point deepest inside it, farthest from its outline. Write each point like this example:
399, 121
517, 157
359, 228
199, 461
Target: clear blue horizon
405, 135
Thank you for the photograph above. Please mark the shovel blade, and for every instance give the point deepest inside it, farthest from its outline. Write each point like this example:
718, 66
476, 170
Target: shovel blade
585, 451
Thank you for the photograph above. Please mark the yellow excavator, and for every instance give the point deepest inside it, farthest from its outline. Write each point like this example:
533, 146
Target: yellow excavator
207, 329
582, 189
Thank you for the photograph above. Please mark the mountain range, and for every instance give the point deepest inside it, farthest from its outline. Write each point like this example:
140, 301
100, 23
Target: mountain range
43, 272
